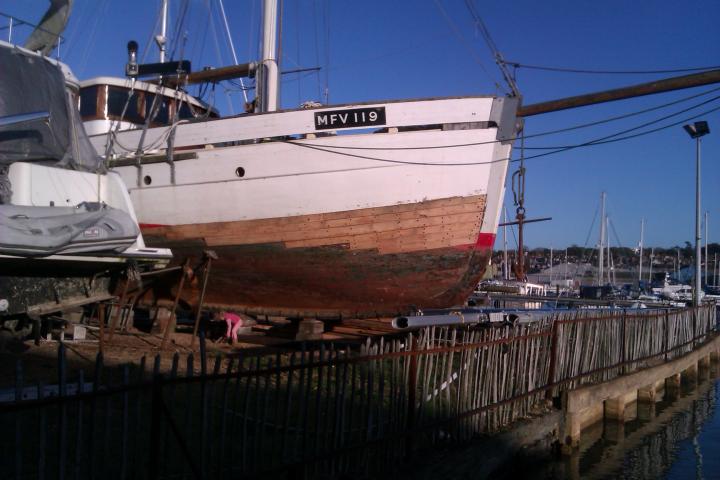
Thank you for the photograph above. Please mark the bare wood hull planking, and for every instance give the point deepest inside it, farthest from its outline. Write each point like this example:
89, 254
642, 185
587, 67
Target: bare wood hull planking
366, 262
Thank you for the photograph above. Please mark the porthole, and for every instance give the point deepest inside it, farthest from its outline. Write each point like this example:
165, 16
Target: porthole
240, 172
147, 179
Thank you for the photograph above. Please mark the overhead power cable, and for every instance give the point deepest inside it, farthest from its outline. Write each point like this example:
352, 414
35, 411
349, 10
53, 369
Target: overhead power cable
609, 72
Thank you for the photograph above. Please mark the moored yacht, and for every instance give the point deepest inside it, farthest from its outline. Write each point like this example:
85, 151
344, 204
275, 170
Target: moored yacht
68, 229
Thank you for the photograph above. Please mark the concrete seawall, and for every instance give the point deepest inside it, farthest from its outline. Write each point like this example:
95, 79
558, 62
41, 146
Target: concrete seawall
589, 404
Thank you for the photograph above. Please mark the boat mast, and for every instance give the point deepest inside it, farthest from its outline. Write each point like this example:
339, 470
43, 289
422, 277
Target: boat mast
607, 245
652, 257
642, 231
269, 81
551, 265
601, 247
506, 274
706, 247
161, 39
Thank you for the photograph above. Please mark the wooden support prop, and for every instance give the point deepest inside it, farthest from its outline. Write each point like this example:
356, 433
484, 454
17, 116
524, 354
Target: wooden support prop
209, 255
101, 322
118, 312
173, 314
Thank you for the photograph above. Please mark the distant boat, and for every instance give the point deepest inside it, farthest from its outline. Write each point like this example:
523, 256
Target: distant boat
675, 292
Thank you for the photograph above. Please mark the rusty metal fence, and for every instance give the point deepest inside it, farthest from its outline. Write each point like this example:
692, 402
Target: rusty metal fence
325, 409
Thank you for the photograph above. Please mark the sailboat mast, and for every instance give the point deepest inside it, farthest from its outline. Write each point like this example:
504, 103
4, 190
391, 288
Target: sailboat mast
161, 39
642, 231
707, 260
506, 274
551, 265
607, 245
652, 257
269, 85
601, 247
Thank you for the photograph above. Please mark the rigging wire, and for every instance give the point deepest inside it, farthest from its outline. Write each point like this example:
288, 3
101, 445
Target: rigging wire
316, 26
597, 141
467, 44
639, 126
326, 21
179, 27
608, 72
624, 116
627, 137
600, 141
232, 45
617, 238
587, 238
540, 134
509, 79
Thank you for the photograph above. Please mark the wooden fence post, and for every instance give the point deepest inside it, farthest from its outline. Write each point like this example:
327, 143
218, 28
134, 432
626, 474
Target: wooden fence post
155, 426
623, 356
553, 358
412, 390
667, 333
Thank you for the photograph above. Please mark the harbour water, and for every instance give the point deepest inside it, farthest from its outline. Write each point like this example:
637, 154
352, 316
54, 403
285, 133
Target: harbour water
675, 439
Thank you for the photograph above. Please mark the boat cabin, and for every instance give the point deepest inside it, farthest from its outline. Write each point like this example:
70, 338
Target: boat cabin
103, 99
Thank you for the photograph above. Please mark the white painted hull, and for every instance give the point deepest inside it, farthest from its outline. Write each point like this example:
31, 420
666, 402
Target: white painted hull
319, 175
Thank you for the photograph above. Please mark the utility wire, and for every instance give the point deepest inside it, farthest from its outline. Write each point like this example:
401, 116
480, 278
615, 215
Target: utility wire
610, 72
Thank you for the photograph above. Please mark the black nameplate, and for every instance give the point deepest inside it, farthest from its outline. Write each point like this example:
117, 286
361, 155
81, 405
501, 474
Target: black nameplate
357, 117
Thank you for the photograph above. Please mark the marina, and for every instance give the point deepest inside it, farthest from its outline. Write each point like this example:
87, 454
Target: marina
273, 284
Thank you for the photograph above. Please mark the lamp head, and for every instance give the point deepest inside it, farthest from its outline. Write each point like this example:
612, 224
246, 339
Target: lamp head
698, 129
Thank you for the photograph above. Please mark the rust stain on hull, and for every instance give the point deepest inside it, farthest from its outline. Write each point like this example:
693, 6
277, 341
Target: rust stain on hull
327, 272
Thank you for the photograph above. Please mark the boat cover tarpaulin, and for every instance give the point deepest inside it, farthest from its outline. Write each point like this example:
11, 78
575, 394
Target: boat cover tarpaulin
86, 228
31, 83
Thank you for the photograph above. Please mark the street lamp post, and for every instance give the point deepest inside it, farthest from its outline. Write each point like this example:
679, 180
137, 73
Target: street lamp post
697, 130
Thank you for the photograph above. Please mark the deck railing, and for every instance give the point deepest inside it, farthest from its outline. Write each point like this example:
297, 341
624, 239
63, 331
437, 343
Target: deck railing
327, 408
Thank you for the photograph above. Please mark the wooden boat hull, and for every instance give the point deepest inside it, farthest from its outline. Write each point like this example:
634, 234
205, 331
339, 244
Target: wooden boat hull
311, 221
377, 261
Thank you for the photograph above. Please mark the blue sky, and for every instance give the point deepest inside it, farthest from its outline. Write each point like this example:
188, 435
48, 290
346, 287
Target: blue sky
380, 49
